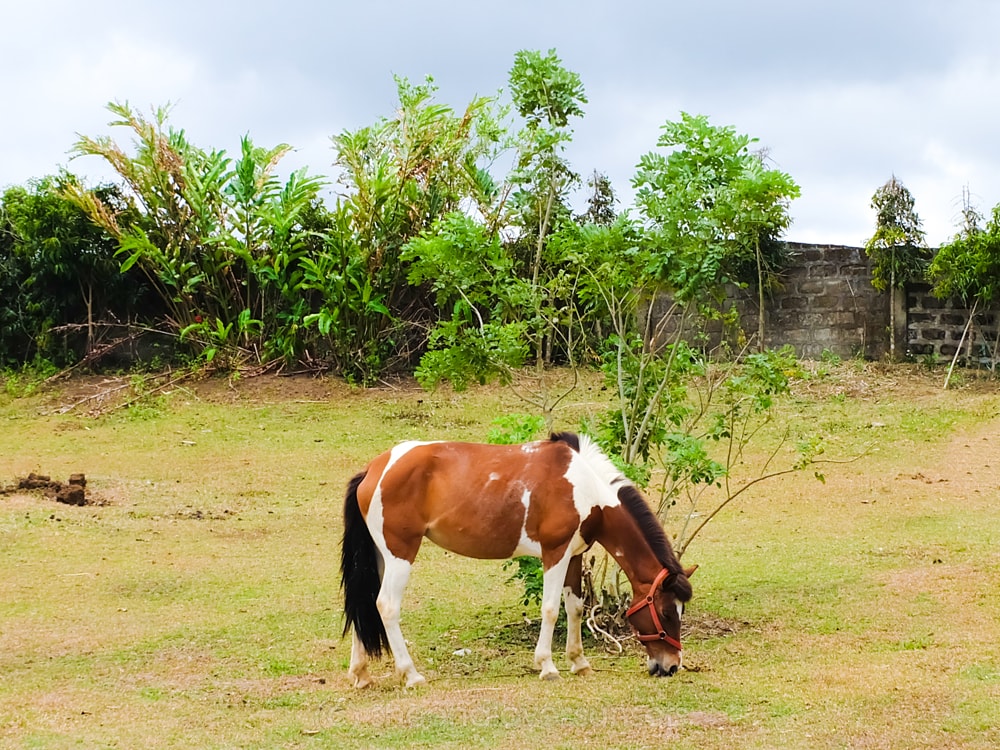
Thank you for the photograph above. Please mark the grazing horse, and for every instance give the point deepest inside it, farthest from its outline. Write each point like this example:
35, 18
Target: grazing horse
552, 499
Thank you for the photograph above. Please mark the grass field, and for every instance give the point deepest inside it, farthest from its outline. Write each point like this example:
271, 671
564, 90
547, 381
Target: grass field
196, 602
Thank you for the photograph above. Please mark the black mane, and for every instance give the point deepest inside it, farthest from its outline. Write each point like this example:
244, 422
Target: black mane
651, 528
570, 438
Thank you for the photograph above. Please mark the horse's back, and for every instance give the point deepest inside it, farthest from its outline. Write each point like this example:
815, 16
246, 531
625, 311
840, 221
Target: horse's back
476, 500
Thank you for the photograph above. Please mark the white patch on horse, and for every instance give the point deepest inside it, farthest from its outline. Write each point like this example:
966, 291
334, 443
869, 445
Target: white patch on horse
599, 463
592, 476
591, 484
493, 476
529, 448
526, 545
375, 516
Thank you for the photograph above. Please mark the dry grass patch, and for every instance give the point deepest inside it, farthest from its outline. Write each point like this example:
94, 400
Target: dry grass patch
199, 606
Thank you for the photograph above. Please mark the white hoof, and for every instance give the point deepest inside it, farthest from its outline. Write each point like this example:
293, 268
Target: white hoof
415, 680
362, 680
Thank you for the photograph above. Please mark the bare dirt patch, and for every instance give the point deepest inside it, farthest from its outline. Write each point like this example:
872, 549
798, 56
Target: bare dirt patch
878, 380
704, 625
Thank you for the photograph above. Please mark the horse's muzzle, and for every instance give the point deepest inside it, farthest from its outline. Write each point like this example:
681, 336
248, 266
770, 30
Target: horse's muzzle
657, 670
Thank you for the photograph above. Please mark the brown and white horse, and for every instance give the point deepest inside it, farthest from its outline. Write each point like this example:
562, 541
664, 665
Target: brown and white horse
552, 499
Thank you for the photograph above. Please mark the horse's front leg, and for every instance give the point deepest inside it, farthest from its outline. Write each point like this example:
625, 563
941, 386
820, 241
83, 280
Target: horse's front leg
573, 597
552, 585
390, 597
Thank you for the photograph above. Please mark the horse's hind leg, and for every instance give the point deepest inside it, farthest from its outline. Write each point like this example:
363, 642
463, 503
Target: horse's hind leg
394, 580
573, 598
359, 664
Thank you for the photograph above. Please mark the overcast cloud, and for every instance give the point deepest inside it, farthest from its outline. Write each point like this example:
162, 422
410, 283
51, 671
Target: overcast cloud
842, 94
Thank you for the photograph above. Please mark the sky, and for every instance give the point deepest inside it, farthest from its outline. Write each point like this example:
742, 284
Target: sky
843, 95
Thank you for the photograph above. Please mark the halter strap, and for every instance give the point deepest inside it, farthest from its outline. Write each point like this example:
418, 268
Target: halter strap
661, 634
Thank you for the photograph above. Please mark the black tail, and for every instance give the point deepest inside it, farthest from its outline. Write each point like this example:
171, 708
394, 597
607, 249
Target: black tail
360, 577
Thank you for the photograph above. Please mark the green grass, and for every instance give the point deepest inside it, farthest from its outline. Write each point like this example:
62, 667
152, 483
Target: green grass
199, 605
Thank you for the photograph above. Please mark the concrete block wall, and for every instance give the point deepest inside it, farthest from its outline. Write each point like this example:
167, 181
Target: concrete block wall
935, 327
826, 303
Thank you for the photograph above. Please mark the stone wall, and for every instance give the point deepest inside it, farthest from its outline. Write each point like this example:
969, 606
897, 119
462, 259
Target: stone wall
826, 303
934, 328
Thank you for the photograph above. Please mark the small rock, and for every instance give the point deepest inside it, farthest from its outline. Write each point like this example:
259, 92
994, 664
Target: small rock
34, 482
71, 494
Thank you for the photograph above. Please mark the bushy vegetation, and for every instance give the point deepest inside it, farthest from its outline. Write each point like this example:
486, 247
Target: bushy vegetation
968, 268
59, 277
450, 250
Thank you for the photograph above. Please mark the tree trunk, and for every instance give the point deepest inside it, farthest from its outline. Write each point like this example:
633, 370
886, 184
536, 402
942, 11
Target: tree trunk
87, 291
892, 315
760, 299
543, 228
995, 357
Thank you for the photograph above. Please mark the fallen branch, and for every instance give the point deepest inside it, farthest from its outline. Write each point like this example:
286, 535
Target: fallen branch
98, 352
157, 389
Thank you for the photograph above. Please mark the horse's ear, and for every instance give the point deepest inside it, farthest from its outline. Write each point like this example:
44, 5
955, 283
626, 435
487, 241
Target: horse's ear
690, 571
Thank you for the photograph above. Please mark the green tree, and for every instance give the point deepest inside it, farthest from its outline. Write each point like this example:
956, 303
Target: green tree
547, 96
470, 274
968, 268
898, 249
402, 175
601, 201
675, 410
705, 208
680, 422
712, 209
58, 269
504, 299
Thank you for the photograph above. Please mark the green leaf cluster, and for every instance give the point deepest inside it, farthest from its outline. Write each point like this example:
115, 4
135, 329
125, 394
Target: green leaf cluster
219, 240
897, 249
57, 269
968, 267
710, 206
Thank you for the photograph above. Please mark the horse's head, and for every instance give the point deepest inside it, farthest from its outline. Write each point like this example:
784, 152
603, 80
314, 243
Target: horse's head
656, 619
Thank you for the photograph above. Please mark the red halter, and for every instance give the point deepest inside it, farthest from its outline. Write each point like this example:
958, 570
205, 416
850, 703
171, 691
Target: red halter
661, 634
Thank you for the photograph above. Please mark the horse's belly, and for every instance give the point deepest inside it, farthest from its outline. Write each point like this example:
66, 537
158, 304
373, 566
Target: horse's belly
527, 547
481, 546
